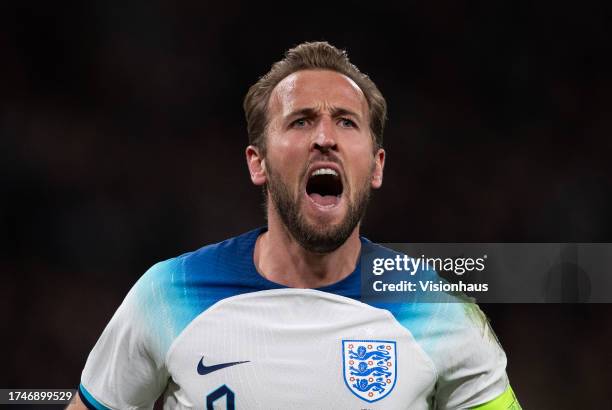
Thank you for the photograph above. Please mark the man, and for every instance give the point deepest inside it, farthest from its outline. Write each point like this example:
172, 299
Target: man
272, 319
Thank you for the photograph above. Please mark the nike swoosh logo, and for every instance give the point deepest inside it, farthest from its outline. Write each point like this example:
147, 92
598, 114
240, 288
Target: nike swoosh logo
202, 369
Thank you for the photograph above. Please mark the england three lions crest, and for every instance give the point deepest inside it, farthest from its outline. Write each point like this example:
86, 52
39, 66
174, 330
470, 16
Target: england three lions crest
370, 368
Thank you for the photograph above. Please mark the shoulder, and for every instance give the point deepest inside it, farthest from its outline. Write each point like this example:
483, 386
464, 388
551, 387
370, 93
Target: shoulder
173, 292
209, 264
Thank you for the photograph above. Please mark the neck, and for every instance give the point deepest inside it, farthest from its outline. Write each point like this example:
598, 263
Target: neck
281, 259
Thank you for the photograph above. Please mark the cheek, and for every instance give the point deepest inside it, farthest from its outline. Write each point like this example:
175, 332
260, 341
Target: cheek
362, 165
285, 159
287, 155
283, 145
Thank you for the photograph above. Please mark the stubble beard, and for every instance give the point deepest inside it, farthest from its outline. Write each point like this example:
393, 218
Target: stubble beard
317, 238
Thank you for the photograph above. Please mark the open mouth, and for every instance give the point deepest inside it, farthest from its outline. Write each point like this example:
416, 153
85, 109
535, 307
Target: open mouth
324, 187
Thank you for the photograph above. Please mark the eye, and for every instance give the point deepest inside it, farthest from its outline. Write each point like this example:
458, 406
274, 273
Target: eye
299, 123
346, 123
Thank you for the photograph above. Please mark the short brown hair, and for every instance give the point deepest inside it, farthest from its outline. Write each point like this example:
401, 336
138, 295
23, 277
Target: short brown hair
310, 55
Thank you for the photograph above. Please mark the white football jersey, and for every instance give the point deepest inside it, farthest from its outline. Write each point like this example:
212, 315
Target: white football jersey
206, 331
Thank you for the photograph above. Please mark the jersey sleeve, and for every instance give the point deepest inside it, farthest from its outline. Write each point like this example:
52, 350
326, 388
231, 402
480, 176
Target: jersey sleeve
471, 363
506, 401
126, 369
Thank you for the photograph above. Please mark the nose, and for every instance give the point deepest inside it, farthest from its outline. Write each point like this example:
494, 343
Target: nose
325, 136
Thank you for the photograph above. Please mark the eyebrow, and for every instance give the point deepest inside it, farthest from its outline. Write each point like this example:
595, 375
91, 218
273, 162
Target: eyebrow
312, 112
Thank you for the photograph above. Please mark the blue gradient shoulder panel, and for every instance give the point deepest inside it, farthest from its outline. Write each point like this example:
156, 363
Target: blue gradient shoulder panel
432, 319
173, 292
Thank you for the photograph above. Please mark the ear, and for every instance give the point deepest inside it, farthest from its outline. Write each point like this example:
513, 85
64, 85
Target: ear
379, 165
256, 164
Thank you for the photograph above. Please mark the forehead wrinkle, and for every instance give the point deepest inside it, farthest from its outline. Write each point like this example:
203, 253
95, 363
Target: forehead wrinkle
333, 110
285, 99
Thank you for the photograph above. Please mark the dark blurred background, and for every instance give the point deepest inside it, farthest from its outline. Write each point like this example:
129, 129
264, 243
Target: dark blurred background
122, 144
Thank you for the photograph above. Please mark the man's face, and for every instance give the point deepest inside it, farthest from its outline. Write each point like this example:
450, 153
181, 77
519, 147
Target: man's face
319, 160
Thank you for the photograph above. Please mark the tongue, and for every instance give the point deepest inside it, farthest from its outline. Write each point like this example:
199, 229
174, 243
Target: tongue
324, 200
